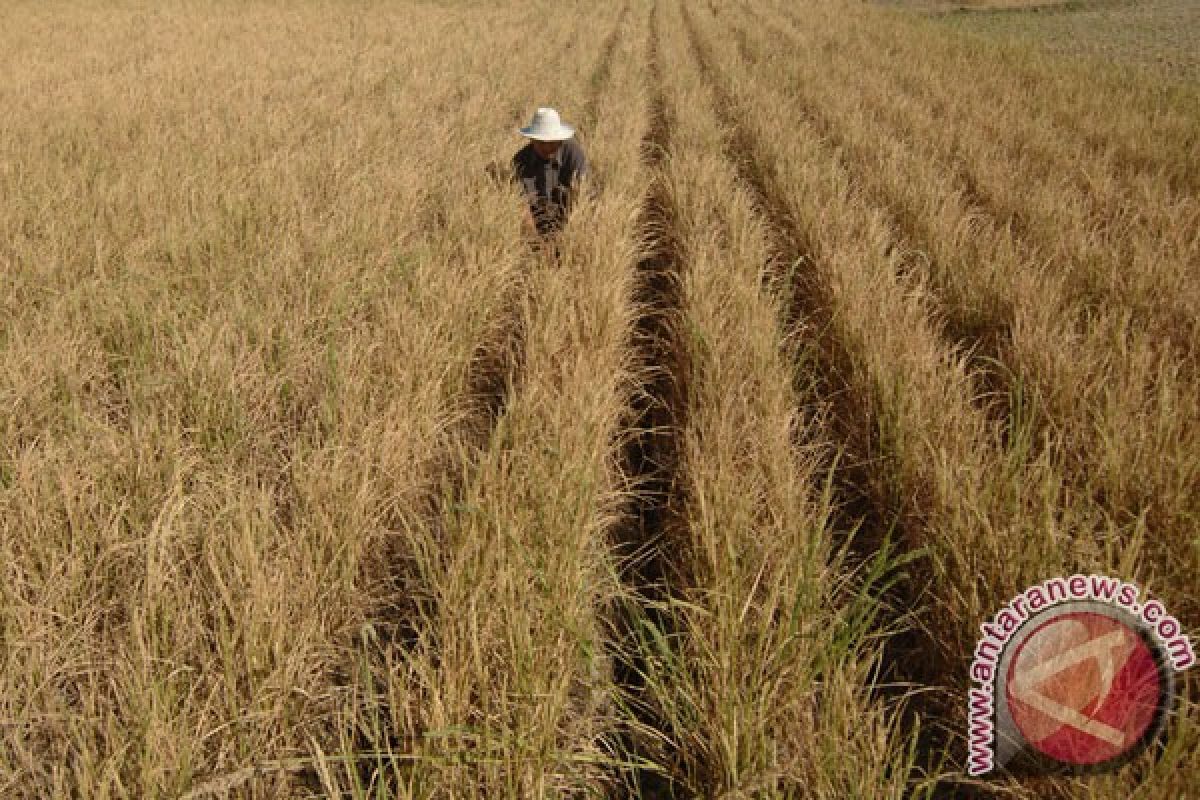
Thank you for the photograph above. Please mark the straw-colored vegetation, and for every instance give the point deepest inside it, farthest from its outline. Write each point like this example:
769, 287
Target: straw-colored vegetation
1155, 35
317, 481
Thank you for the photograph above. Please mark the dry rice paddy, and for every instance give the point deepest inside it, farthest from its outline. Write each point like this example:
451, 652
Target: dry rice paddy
316, 481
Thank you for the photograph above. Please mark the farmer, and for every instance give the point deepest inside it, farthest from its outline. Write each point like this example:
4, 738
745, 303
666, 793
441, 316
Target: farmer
549, 169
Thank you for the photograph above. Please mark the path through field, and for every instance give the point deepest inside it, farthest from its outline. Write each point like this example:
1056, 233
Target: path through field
317, 481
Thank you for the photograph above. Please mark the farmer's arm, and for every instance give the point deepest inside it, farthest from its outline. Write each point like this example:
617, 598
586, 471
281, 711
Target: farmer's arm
528, 222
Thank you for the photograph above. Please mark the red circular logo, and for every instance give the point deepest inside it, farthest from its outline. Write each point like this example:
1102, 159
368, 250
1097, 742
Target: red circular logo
1083, 688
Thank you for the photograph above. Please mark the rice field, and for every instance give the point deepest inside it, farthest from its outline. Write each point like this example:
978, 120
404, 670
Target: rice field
317, 481
1159, 36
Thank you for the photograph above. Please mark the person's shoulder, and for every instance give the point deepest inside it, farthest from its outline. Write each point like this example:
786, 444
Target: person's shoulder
523, 155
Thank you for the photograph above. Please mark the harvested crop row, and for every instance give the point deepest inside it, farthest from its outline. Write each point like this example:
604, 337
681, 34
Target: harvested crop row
751, 652
507, 691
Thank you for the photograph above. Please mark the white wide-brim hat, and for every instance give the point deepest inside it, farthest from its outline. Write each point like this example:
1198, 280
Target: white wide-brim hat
547, 127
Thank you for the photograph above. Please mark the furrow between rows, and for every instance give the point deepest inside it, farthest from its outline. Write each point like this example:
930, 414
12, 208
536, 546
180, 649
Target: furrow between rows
648, 539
